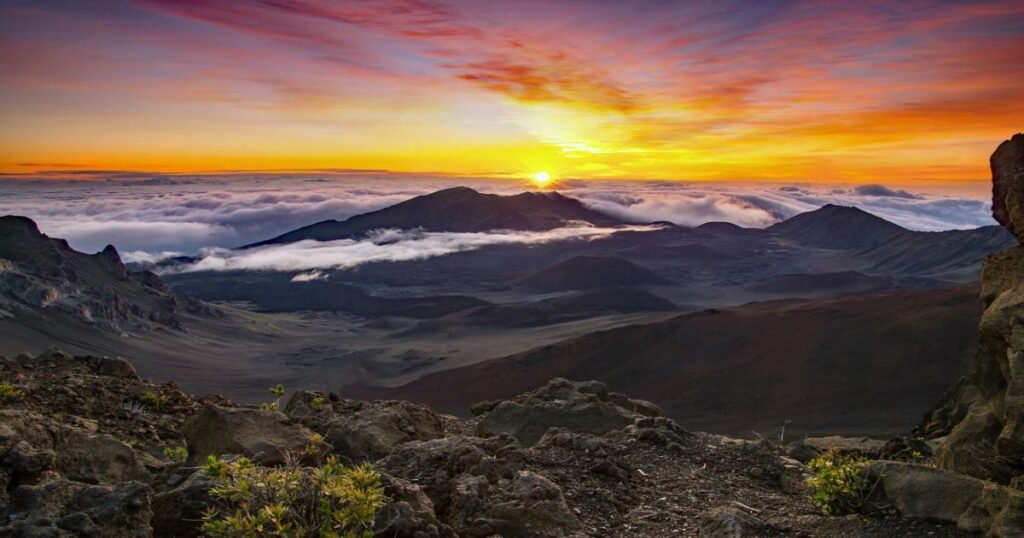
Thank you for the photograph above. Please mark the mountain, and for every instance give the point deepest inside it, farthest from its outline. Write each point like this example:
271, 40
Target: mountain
868, 364
953, 254
589, 272
837, 227
44, 279
459, 209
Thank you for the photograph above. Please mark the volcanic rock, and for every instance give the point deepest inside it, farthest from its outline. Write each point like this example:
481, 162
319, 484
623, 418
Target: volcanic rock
923, 492
362, 430
1008, 185
267, 437
577, 407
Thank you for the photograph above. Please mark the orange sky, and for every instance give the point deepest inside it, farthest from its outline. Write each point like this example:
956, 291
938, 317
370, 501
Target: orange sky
881, 92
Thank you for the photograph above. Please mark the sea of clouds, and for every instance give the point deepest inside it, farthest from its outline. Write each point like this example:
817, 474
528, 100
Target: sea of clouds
151, 219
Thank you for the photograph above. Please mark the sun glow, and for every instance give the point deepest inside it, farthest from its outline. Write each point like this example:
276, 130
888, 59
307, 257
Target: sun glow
541, 179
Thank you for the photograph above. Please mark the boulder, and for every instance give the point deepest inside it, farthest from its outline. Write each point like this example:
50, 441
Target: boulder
179, 511
60, 507
807, 449
408, 512
97, 459
362, 430
1008, 185
531, 506
267, 437
585, 407
918, 491
116, 367
479, 487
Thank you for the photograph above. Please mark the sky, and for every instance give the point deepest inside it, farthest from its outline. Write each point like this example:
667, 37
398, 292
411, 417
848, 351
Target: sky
862, 93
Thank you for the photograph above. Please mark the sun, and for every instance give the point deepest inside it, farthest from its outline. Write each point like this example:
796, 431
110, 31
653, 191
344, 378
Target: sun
541, 178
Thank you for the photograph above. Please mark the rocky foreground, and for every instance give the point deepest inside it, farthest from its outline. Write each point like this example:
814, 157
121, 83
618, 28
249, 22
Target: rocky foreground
89, 449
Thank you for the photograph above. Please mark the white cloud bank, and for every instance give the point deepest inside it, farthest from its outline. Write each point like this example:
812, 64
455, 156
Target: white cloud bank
188, 214
380, 246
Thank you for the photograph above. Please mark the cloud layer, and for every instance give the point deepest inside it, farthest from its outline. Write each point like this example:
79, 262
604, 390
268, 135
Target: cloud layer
151, 219
381, 246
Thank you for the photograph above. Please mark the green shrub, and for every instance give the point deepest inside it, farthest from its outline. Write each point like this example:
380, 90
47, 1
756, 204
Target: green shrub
176, 453
155, 401
10, 393
278, 392
318, 402
839, 482
292, 501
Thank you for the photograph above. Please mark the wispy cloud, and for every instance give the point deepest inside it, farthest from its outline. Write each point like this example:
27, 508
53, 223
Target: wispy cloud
381, 246
818, 91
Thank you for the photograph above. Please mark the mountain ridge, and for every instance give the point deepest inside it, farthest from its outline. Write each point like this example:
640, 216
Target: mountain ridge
457, 209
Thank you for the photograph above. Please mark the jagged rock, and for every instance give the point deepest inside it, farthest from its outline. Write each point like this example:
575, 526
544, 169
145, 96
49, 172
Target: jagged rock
60, 507
807, 449
918, 491
434, 464
265, 436
116, 367
362, 430
905, 448
97, 459
1008, 185
731, 522
27, 462
989, 441
178, 512
408, 513
948, 411
531, 506
579, 407
480, 488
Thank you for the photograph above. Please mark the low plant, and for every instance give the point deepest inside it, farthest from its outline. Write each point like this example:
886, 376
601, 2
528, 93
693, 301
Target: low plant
177, 454
155, 401
839, 484
10, 393
134, 408
317, 402
327, 500
278, 392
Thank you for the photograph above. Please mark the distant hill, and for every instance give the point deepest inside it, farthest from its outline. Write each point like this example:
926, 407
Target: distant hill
953, 254
837, 282
870, 363
837, 227
589, 272
458, 209
42, 279
561, 309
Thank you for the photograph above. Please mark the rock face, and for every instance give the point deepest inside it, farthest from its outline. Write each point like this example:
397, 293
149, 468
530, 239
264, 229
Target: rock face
61, 507
1008, 185
921, 492
41, 277
483, 487
361, 430
266, 437
577, 407
988, 442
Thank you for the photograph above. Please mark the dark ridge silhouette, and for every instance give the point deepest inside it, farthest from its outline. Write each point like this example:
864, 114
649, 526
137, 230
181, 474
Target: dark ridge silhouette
459, 209
837, 227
